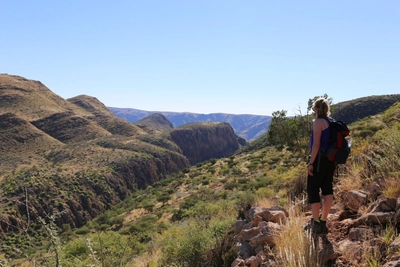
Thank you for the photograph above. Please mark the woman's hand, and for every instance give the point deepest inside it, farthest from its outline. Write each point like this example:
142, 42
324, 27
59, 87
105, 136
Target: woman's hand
311, 170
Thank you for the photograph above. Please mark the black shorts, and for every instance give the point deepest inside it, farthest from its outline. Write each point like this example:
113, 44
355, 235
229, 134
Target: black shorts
321, 180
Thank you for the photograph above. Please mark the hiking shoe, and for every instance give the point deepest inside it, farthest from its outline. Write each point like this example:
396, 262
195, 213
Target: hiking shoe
324, 228
314, 226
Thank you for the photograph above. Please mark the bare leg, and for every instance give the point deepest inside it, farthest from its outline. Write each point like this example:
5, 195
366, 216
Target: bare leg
315, 207
326, 206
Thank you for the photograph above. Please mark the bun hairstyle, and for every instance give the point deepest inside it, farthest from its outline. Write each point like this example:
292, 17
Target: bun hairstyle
321, 105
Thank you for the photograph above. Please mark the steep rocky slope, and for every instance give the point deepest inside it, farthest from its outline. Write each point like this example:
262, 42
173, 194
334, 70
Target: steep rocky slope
204, 140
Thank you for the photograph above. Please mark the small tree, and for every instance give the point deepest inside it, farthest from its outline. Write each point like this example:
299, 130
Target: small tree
287, 131
148, 206
293, 132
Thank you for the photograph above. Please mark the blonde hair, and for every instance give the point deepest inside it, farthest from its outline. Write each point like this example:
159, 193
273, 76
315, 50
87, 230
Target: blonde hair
322, 106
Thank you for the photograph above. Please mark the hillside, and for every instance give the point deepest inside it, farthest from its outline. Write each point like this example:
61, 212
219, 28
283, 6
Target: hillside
104, 117
73, 156
32, 100
257, 197
249, 210
357, 109
22, 144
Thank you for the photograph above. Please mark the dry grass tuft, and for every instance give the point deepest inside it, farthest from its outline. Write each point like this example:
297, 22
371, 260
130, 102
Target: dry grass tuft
294, 247
349, 182
391, 187
149, 259
265, 202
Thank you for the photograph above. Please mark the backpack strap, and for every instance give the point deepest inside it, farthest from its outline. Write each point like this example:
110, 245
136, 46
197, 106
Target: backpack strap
327, 125
326, 119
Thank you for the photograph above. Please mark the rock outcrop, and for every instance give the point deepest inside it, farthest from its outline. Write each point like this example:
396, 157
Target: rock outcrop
257, 231
352, 235
205, 140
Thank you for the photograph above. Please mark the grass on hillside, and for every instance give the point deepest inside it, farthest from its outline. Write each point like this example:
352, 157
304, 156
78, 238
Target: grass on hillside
197, 208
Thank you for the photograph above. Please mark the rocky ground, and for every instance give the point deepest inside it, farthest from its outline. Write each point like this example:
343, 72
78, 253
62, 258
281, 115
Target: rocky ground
361, 233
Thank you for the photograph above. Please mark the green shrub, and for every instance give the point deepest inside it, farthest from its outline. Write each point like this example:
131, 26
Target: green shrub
143, 229
117, 220
102, 227
223, 252
189, 202
243, 180
274, 159
211, 170
244, 202
177, 215
82, 231
212, 161
105, 218
103, 249
186, 245
254, 163
163, 197
204, 210
231, 185
148, 206
76, 248
265, 192
364, 133
225, 170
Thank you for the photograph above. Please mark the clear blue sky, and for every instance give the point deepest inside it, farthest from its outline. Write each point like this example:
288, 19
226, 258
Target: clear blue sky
205, 56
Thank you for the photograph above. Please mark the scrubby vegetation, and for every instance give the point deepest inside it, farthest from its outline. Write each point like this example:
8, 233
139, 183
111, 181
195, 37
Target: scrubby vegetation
187, 218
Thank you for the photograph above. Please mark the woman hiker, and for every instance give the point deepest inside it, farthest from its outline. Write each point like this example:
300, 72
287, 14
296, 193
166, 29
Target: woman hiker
320, 170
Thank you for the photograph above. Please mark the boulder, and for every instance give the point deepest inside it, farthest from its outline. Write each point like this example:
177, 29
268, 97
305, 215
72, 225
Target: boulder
354, 199
360, 234
382, 205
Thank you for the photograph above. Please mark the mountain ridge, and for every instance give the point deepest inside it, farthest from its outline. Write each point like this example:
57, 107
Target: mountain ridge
247, 126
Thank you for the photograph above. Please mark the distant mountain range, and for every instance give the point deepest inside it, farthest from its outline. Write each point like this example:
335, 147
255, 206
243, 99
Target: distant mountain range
252, 127
249, 127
